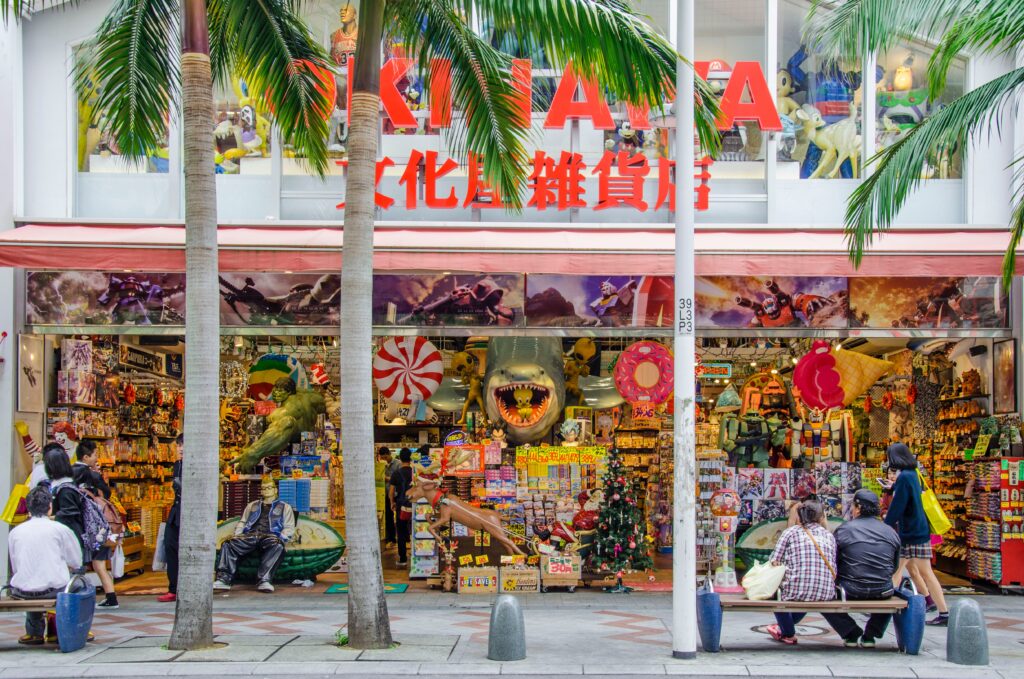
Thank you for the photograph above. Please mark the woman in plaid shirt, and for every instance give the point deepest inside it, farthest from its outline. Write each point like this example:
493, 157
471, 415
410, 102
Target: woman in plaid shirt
808, 551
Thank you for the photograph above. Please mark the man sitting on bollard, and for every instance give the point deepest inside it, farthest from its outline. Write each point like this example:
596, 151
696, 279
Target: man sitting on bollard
266, 525
868, 555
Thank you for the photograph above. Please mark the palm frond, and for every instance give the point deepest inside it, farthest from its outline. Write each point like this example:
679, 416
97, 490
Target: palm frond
605, 40
19, 8
131, 68
996, 26
480, 87
849, 29
269, 46
875, 203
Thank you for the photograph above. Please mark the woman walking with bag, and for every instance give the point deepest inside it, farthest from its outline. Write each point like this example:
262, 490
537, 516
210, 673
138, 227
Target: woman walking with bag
808, 551
906, 514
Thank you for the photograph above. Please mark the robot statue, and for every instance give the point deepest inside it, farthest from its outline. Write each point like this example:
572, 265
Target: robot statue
296, 413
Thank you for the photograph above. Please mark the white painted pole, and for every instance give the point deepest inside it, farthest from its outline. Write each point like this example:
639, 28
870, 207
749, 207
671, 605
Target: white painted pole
684, 552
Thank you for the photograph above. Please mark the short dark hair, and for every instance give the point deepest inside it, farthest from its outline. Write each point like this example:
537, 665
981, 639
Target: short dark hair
867, 502
85, 448
810, 511
383, 450
900, 457
38, 501
405, 455
56, 462
424, 450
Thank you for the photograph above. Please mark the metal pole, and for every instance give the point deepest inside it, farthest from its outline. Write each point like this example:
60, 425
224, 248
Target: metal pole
684, 552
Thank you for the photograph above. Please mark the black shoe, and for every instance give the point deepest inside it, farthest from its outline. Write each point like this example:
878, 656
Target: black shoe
867, 642
931, 609
940, 620
108, 604
852, 641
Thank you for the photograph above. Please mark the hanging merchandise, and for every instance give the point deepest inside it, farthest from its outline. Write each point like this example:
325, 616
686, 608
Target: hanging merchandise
644, 373
826, 378
269, 368
728, 401
407, 369
318, 374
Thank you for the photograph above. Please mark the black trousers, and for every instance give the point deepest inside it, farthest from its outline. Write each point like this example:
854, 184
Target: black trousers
35, 623
389, 520
403, 529
171, 540
269, 547
847, 627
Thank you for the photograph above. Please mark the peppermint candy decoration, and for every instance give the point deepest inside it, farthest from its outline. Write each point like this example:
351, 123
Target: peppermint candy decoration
407, 369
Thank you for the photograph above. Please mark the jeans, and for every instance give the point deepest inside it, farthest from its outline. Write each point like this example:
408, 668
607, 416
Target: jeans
847, 628
35, 623
788, 622
403, 529
389, 520
269, 547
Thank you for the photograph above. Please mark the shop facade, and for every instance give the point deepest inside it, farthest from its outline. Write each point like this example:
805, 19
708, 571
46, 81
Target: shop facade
97, 251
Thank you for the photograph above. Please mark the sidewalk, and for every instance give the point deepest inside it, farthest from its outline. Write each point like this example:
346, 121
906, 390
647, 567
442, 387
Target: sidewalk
442, 634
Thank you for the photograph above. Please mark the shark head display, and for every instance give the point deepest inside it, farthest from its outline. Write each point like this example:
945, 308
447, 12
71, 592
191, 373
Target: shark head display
525, 385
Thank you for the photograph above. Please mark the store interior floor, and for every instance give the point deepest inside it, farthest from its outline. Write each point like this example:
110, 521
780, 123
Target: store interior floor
154, 583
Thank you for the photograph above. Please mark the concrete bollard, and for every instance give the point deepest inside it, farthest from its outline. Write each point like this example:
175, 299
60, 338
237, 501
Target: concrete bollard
966, 636
506, 638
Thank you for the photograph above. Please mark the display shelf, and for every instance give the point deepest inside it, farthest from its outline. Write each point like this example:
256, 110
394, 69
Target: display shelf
82, 405
954, 399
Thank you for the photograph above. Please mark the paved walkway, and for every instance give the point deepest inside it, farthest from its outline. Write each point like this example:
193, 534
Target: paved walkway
568, 634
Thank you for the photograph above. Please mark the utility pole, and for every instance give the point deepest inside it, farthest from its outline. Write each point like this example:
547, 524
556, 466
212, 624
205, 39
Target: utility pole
684, 552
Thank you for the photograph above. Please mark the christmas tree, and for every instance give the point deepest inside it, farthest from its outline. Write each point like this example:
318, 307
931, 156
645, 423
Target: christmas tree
622, 543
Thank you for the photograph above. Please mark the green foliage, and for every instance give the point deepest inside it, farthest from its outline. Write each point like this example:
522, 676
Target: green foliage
604, 39
621, 543
132, 70
994, 27
341, 637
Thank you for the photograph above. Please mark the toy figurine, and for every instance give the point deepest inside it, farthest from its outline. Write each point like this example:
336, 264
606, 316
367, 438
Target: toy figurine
577, 364
256, 533
499, 434
296, 412
838, 142
343, 40
447, 508
570, 433
466, 365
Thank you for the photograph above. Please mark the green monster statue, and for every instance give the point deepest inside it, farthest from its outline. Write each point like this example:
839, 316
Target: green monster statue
296, 412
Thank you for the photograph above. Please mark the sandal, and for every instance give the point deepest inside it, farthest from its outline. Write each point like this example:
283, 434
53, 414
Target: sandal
31, 640
776, 633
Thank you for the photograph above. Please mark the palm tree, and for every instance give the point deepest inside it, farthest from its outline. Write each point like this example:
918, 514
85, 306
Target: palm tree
604, 40
131, 61
858, 27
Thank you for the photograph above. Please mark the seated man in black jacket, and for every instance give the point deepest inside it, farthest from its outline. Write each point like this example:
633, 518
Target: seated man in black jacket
868, 555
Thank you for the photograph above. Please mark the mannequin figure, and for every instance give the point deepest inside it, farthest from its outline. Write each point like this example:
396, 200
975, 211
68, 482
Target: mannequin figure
266, 525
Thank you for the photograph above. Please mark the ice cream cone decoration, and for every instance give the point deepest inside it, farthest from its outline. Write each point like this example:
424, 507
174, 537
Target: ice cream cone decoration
827, 378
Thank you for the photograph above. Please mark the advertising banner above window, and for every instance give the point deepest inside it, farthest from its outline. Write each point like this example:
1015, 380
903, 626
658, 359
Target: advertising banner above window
433, 299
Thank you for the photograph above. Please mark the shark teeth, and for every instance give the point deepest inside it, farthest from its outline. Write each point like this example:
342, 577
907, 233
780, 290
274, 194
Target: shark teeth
515, 409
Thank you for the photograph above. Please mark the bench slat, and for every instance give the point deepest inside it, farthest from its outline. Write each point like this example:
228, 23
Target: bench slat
835, 606
20, 604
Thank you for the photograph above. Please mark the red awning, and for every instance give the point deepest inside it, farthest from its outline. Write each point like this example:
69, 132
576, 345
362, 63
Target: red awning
554, 248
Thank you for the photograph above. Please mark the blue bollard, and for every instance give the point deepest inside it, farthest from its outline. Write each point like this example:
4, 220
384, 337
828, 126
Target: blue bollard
909, 623
709, 620
74, 617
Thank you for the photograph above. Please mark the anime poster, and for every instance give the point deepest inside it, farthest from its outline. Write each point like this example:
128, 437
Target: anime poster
762, 302
776, 484
804, 484
424, 299
98, 298
768, 510
750, 483
829, 477
955, 302
279, 299
557, 300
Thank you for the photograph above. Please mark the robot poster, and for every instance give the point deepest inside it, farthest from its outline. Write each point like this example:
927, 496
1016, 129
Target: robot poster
765, 302
556, 300
425, 299
955, 302
98, 298
279, 299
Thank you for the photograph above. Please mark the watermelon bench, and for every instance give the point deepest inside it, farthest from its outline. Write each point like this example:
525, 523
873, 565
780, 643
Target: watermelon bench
313, 549
906, 607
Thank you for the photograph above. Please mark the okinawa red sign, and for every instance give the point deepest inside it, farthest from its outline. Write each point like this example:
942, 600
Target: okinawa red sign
557, 180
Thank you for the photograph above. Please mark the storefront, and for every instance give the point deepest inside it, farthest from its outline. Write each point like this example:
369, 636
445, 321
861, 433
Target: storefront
582, 276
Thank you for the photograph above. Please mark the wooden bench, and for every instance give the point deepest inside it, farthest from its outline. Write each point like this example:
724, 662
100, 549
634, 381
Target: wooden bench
28, 605
906, 607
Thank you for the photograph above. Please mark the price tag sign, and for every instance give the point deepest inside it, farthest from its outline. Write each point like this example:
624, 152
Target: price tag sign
466, 560
482, 560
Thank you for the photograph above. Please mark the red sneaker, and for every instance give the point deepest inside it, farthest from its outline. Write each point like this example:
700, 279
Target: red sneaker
166, 598
776, 633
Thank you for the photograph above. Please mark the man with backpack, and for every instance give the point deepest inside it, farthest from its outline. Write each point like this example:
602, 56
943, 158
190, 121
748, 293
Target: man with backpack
89, 479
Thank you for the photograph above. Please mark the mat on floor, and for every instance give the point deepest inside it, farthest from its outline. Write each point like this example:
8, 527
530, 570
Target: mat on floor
389, 588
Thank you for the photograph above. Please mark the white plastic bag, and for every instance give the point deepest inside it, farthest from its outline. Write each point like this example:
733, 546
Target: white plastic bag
159, 556
762, 581
117, 562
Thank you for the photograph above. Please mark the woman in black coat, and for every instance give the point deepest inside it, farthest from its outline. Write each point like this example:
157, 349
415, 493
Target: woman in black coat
68, 502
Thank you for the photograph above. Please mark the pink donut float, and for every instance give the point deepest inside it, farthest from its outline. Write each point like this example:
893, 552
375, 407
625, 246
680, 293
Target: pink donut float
643, 373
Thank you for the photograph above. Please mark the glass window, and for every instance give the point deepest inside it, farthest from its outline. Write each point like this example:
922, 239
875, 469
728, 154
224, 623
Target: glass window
241, 134
902, 102
819, 105
97, 150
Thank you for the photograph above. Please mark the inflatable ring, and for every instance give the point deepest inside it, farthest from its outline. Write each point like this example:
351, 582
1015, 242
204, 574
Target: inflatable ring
643, 373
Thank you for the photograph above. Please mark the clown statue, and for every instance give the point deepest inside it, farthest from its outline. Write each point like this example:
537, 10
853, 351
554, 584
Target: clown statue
266, 525
66, 437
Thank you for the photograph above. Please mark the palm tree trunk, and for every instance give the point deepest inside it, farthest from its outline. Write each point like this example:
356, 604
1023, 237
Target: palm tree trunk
193, 615
368, 623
